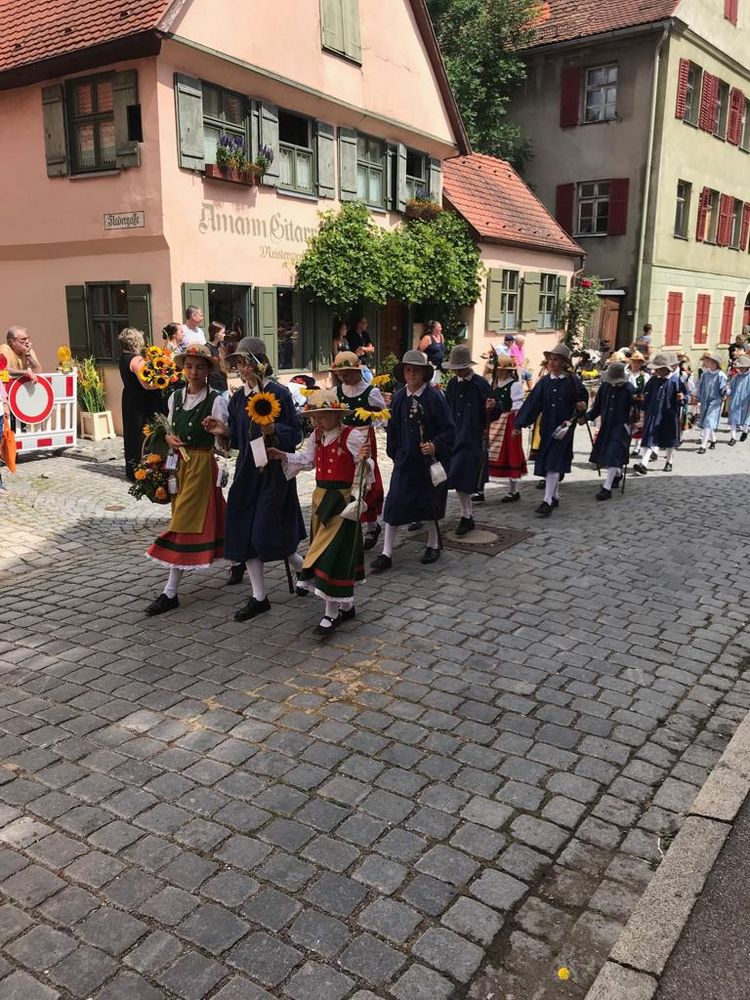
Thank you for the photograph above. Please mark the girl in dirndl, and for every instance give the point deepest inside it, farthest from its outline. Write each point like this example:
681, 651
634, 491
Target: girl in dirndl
194, 539
335, 559
506, 459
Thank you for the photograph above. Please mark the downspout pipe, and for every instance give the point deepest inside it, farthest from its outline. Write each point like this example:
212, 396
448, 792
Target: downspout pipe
649, 165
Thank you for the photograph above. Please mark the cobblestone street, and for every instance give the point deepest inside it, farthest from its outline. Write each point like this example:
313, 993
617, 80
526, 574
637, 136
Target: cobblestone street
454, 798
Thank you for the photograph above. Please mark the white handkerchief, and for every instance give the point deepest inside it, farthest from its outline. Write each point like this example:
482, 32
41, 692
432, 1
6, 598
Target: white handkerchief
258, 448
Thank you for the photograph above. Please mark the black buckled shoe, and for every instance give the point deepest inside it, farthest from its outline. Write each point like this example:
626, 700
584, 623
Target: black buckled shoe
640, 469
235, 574
162, 604
653, 457
371, 538
711, 446
543, 510
381, 564
732, 443
668, 467
603, 494
348, 615
477, 498
415, 526
327, 624
465, 525
701, 451
555, 502
540, 485
743, 436
252, 609
430, 556
511, 498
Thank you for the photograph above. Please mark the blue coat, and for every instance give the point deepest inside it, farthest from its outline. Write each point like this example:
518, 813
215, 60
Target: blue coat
554, 399
264, 520
711, 386
614, 405
661, 421
411, 496
466, 401
739, 400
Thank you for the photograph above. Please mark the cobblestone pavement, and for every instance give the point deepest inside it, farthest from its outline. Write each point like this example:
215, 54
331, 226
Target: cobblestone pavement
453, 799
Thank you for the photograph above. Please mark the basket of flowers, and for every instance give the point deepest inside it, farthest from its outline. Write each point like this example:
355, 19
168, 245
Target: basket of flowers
155, 474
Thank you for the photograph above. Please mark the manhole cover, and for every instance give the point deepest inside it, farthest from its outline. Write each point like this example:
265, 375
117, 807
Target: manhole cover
485, 538
114, 506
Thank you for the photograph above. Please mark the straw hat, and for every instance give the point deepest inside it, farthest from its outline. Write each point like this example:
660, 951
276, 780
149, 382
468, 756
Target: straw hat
460, 357
325, 401
560, 351
615, 374
637, 356
413, 357
346, 361
504, 361
197, 351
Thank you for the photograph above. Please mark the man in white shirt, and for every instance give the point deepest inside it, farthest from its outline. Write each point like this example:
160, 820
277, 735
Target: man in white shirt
191, 328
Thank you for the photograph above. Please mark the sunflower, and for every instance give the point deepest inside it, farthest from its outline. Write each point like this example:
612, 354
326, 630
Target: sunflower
153, 353
367, 415
263, 408
140, 475
153, 459
160, 381
146, 375
382, 380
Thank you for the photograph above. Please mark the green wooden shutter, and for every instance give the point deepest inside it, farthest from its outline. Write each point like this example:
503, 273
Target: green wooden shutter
332, 25
254, 128
436, 181
401, 192
326, 173
196, 294
78, 334
189, 99
269, 136
124, 94
139, 309
348, 164
352, 39
55, 137
323, 319
532, 282
267, 324
391, 158
494, 298
562, 291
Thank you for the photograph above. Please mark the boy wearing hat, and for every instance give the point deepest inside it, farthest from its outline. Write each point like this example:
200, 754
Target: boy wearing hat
614, 406
738, 392
712, 384
467, 395
558, 397
661, 421
340, 457
356, 394
420, 435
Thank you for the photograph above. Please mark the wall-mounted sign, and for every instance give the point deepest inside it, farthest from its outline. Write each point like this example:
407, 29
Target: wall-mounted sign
124, 220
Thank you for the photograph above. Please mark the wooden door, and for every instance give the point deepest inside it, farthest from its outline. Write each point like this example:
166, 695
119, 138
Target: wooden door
391, 330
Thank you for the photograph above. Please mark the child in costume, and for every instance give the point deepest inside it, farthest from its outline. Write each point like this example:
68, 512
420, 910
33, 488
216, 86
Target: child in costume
712, 385
614, 407
662, 401
356, 394
340, 457
467, 395
638, 377
506, 458
557, 398
264, 520
420, 441
195, 536
738, 392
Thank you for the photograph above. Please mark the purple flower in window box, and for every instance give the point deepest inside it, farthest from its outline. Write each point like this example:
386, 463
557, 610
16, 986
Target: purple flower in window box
264, 159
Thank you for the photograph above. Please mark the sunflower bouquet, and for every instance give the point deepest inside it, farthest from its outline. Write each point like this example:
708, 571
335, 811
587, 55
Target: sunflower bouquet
160, 371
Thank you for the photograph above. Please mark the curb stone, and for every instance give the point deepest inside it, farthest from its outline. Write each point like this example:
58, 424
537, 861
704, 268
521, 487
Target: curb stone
640, 954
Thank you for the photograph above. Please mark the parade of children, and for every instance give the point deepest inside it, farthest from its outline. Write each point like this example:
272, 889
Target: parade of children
452, 435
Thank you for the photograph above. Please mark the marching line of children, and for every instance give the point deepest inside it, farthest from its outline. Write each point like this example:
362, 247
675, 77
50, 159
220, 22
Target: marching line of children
457, 439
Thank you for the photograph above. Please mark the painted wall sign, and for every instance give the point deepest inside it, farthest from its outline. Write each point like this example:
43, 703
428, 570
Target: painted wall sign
275, 229
124, 220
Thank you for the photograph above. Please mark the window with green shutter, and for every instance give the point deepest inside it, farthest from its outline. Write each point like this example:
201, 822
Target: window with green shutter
296, 156
547, 301
502, 299
371, 171
224, 113
98, 312
340, 28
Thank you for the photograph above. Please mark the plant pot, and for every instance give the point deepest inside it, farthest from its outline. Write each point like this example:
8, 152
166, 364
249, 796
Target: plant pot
249, 177
426, 211
97, 426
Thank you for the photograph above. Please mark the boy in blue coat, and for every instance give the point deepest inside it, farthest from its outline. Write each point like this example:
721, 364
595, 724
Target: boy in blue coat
467, 396
662, 402
614, 406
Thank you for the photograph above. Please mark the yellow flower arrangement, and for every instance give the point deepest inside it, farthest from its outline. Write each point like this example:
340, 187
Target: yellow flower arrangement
263, 408
590, 373
64, 359
380, 380
153, 458
146, 430
367, 415
140, 475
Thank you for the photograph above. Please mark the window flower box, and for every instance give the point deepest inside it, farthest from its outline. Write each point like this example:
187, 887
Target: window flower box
419, 208
249, 176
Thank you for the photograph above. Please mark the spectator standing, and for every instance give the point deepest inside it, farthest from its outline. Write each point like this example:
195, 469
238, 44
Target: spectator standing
340, 340
171, 334
217, 379
192, 332
433, 345
19, 354
139, 401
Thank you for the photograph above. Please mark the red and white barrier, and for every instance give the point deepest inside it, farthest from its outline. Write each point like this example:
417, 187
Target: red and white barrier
45, 411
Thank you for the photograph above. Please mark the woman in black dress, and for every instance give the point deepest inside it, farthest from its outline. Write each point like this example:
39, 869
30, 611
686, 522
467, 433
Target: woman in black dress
139, 402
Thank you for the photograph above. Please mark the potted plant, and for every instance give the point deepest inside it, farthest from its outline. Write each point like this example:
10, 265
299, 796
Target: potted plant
422, 207
95, 419
232, 164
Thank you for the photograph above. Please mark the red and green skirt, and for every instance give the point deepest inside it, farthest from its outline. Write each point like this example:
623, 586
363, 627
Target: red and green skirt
335, 560
506, 459
195, 536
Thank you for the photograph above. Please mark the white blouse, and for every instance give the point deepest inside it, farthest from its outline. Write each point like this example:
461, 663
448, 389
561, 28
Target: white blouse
219, 410
517, 393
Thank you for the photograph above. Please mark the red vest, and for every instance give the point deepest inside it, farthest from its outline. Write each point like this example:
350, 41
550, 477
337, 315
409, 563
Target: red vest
334, 462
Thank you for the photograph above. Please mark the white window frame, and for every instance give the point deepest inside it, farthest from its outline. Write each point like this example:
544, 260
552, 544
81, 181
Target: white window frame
369, 166
693, 94
547, 301
600, 98
682, 209
298, 153
509, 298
598, 196
734, 239
721, 111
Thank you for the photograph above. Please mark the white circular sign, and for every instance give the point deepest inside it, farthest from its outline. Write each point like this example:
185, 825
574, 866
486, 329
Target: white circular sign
31, 402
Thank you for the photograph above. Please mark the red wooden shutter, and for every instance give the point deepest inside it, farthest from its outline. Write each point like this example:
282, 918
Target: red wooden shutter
564, 206
682, 84
702, 313
674, 318
618, 206
736, 110
570, 96
745, 228
730, 10
709, 95
727, 319
724, 230
703, 201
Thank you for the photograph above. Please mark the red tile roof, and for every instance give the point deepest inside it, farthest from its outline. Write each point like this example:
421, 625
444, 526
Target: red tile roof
35, 30
500, 207
563, 20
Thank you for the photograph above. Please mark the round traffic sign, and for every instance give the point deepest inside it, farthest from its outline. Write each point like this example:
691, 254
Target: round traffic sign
31, 402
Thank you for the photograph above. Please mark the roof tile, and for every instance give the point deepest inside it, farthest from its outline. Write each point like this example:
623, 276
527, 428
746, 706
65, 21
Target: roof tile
494, 200
563, 20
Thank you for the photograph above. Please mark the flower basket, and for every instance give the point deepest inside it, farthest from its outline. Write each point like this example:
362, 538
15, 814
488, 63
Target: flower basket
249, 176
425, 211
